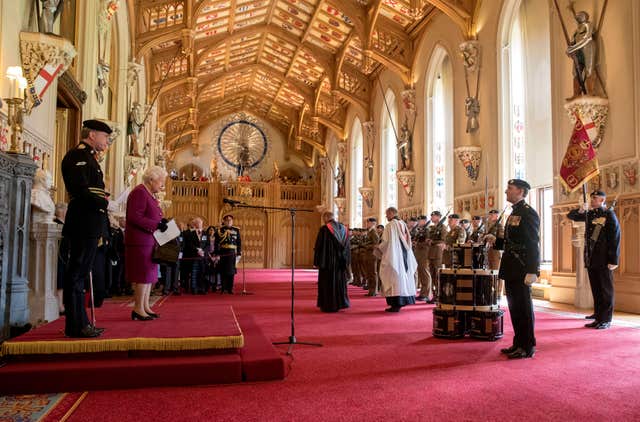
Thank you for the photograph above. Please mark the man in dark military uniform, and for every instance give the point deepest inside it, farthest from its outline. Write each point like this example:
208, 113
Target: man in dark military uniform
421, 252
228, 247
520, 267
437, 233
369, 261
86, 224
601, 254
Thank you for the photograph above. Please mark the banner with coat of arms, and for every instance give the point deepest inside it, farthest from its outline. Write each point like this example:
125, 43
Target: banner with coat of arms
580, 163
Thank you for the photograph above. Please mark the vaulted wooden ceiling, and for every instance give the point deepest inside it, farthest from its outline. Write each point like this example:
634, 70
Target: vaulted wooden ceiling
296, 63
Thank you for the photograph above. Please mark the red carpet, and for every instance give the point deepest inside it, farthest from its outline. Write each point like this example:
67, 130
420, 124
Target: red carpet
377, 366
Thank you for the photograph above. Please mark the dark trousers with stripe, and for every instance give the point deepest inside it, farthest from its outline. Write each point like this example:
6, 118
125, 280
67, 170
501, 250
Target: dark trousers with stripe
601, 281
521, 312
81, 257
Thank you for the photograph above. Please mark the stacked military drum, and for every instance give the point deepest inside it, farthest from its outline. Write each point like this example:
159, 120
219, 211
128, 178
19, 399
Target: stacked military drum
468, 297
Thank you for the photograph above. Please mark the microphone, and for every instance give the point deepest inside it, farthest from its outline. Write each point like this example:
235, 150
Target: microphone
231, 202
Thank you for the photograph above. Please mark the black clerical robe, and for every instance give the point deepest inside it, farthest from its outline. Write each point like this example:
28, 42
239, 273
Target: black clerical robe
332, 256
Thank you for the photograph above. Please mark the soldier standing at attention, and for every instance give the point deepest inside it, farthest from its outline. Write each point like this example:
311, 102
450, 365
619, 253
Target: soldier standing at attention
477, 231
466, 225
354, 246
86, 223
437, 232
454, 238
601, 254
520, 267
369, 243
228, 247
495, 229
421, 251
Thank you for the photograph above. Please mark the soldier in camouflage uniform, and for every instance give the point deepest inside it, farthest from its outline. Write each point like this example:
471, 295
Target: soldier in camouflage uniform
436, 234
496, 229
454, 238
369, 261
356, 258
475, 235
421, 252
466, 225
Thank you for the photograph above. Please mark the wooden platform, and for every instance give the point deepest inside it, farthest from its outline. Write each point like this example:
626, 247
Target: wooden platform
163, 352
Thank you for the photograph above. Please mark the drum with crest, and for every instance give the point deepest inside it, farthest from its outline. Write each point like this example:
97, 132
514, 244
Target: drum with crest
468, 289
486, 325
449, 323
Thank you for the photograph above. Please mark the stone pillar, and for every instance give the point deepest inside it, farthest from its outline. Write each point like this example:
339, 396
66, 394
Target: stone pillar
43, 266
583, 297
16, 179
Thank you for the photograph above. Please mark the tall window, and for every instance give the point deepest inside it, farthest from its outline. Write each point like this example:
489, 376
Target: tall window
389, 152
439, 152
517, 88
525, 107
357, 169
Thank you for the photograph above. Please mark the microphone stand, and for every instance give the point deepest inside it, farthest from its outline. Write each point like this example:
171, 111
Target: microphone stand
244, 282
292, 212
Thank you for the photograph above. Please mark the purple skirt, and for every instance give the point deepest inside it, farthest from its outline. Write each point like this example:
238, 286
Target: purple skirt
138, 267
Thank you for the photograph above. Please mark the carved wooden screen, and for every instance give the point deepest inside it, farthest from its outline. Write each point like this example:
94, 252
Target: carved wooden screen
253, 227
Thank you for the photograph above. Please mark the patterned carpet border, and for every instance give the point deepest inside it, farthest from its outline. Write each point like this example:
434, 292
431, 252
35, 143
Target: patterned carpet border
39, 407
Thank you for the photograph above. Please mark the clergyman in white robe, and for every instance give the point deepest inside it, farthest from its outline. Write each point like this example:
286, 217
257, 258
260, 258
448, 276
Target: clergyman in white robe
398, 264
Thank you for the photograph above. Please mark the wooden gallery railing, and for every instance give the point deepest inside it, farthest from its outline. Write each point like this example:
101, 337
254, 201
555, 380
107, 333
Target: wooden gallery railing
266, 235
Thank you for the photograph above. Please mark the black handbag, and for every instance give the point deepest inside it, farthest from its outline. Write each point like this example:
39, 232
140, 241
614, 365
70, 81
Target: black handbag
167, 253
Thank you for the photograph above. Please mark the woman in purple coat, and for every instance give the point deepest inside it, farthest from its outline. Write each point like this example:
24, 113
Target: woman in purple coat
144, 216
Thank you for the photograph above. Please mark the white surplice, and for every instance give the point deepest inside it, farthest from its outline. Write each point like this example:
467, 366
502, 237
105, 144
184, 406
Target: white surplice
396, 279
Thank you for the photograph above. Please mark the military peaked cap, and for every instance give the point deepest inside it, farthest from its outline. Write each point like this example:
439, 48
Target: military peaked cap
464, 221
413, 219
422, 217
598, 193
494, 212
519, 183
372, 220
477, 217
438, 213
454, 216
97, 125
227, 216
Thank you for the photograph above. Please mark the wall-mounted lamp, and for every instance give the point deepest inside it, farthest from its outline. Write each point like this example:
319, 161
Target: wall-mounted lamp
17, 86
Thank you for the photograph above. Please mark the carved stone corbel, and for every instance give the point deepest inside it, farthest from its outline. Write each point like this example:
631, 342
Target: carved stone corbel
43, 57
407, 179
367, 194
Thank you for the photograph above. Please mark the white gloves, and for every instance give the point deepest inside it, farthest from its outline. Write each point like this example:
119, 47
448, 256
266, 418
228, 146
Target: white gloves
612, 267
529, 279
584, 207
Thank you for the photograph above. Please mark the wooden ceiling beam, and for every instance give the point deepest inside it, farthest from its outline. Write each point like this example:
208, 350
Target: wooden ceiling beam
458, 15
303, 90
324, 58
372, 20
336, 128
232, 15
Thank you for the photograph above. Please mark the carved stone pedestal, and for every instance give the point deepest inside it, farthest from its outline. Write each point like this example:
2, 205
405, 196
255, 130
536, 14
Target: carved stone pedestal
43, 265
583, 297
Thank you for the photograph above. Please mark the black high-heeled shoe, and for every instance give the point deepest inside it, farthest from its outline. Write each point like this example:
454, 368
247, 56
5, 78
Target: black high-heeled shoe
137, 316
153, 315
